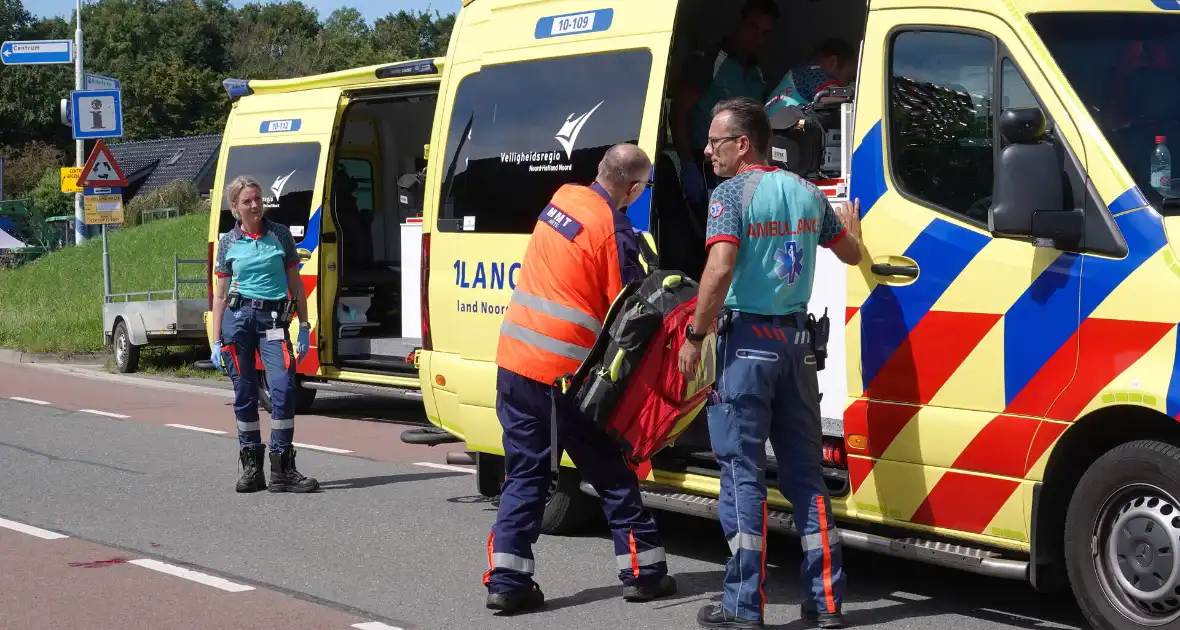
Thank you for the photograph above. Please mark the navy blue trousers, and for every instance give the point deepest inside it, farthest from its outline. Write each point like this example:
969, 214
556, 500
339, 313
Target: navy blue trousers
524, 407
243, 332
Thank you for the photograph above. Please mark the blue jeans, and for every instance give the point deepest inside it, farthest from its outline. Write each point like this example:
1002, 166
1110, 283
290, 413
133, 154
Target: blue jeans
243, 334
769, 389
524, 407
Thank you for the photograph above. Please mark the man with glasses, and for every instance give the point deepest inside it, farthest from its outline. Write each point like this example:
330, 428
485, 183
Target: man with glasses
580, 256
764, 227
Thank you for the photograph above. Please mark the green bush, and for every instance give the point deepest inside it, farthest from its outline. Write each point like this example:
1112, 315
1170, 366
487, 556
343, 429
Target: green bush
179, 194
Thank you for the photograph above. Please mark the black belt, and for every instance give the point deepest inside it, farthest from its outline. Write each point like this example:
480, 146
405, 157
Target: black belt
236, 300
796, 320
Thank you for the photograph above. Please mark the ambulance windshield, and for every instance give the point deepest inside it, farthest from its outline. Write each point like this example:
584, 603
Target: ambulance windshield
1126, 69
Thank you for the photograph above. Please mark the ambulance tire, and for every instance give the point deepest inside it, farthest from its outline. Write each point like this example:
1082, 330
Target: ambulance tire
1135, 489
304, 397
568, 510
489, 474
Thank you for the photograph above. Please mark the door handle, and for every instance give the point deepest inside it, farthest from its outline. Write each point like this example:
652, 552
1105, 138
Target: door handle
882, 269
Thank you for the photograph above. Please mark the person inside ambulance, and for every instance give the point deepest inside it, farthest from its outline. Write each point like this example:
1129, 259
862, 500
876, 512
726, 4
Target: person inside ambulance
833, 62
257, 290
581, 254
726, 70
765, 226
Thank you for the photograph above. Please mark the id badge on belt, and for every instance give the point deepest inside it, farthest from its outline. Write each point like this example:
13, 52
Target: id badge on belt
274, 333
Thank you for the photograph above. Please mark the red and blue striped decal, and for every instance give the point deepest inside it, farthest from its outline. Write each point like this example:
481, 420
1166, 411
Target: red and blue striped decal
890, 313
868, 168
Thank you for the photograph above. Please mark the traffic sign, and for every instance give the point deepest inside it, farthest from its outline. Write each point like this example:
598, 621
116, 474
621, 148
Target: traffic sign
69, 179
97, 113
104, 208
37, 51
100, 82
101, 169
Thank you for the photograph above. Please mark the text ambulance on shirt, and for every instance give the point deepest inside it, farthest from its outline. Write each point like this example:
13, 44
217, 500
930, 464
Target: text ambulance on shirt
777, 219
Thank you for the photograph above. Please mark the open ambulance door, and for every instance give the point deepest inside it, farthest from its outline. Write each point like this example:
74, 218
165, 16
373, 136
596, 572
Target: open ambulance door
329, 277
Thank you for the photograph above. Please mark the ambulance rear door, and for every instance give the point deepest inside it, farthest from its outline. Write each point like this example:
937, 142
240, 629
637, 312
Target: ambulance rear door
536, 92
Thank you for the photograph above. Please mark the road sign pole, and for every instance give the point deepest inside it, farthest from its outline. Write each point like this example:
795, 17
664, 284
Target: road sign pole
80, 145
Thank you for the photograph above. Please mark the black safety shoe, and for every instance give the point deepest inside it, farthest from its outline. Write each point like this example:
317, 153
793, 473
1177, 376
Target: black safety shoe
808, 613
521, 599
252, 479
716, 616
284, 477
650, 589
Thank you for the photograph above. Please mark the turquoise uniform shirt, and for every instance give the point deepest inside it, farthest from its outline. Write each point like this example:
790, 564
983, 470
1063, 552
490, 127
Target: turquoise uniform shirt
257, 263
777, 219
719, 76
799, 87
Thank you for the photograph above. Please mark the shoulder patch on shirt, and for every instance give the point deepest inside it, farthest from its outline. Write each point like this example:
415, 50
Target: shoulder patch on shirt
715, 209
557, 219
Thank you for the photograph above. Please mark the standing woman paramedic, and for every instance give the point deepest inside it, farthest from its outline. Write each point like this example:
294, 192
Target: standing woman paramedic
257, 273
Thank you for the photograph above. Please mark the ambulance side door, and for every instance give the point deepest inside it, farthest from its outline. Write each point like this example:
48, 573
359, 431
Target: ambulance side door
964, 340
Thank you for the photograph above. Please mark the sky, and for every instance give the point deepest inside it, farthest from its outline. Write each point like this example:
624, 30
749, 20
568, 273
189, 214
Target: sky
371, 9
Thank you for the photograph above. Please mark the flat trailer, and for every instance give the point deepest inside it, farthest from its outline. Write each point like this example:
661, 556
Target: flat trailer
160, 318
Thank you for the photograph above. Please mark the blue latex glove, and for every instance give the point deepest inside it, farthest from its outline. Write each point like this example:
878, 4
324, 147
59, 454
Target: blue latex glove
303, 342
693, 183
216, 356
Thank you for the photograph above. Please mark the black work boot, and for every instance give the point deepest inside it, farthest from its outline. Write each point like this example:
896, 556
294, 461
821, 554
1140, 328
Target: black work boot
809, 613
520, 600
716, 616
283, 475
647, 590
252, 479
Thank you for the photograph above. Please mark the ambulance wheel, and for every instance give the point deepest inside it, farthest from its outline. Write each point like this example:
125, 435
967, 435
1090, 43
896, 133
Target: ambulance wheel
304, 397
568, 510
489, 474
126, 353
1122, 537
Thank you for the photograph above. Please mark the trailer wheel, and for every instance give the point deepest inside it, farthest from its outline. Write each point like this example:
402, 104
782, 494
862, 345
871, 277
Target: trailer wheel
1122, 537
304, 398
126, 353
568, 510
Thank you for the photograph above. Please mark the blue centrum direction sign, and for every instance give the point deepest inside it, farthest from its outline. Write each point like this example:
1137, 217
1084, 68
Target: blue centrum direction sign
37, 52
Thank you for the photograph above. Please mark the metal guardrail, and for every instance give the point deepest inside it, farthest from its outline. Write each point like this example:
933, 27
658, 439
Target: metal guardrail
159, 213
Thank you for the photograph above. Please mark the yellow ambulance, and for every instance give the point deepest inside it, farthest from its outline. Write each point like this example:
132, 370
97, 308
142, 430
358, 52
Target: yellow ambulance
341, 158
1003, 394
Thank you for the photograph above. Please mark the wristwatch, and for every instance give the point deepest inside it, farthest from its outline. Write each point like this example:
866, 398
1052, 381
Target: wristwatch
692, 335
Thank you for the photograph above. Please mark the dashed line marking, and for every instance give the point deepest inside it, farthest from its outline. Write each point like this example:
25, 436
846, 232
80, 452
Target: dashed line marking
30, 530
374, 625
192, 428
326, 449
446, 467
31, 401
189, 574
103, 413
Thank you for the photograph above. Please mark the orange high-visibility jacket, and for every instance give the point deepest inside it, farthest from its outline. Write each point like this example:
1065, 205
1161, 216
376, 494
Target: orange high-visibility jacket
581, 254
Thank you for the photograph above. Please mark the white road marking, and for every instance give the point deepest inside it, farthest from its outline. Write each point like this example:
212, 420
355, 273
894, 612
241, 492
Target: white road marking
31, 401
374, 625
191, 428
30, 530
104, 413
188, 574
326, 449
445, 467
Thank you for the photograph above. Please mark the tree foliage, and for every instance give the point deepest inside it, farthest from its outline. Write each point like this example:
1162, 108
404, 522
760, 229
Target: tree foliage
171, 56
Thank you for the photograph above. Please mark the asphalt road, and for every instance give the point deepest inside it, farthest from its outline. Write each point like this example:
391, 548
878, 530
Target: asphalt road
394, 539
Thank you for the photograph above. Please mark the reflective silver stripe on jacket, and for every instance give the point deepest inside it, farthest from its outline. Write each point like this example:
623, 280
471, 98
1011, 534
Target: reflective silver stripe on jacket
544, 342
749, 542
514, 563
812, 542
560, 311
643, 558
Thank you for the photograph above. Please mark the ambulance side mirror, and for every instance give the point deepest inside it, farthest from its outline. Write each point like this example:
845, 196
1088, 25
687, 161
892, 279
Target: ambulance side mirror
1028, 199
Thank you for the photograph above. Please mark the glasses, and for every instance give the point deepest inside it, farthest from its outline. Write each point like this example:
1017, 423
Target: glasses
716, 142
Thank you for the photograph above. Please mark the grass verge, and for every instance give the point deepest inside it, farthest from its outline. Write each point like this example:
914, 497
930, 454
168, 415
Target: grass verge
174, 362
54, 305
